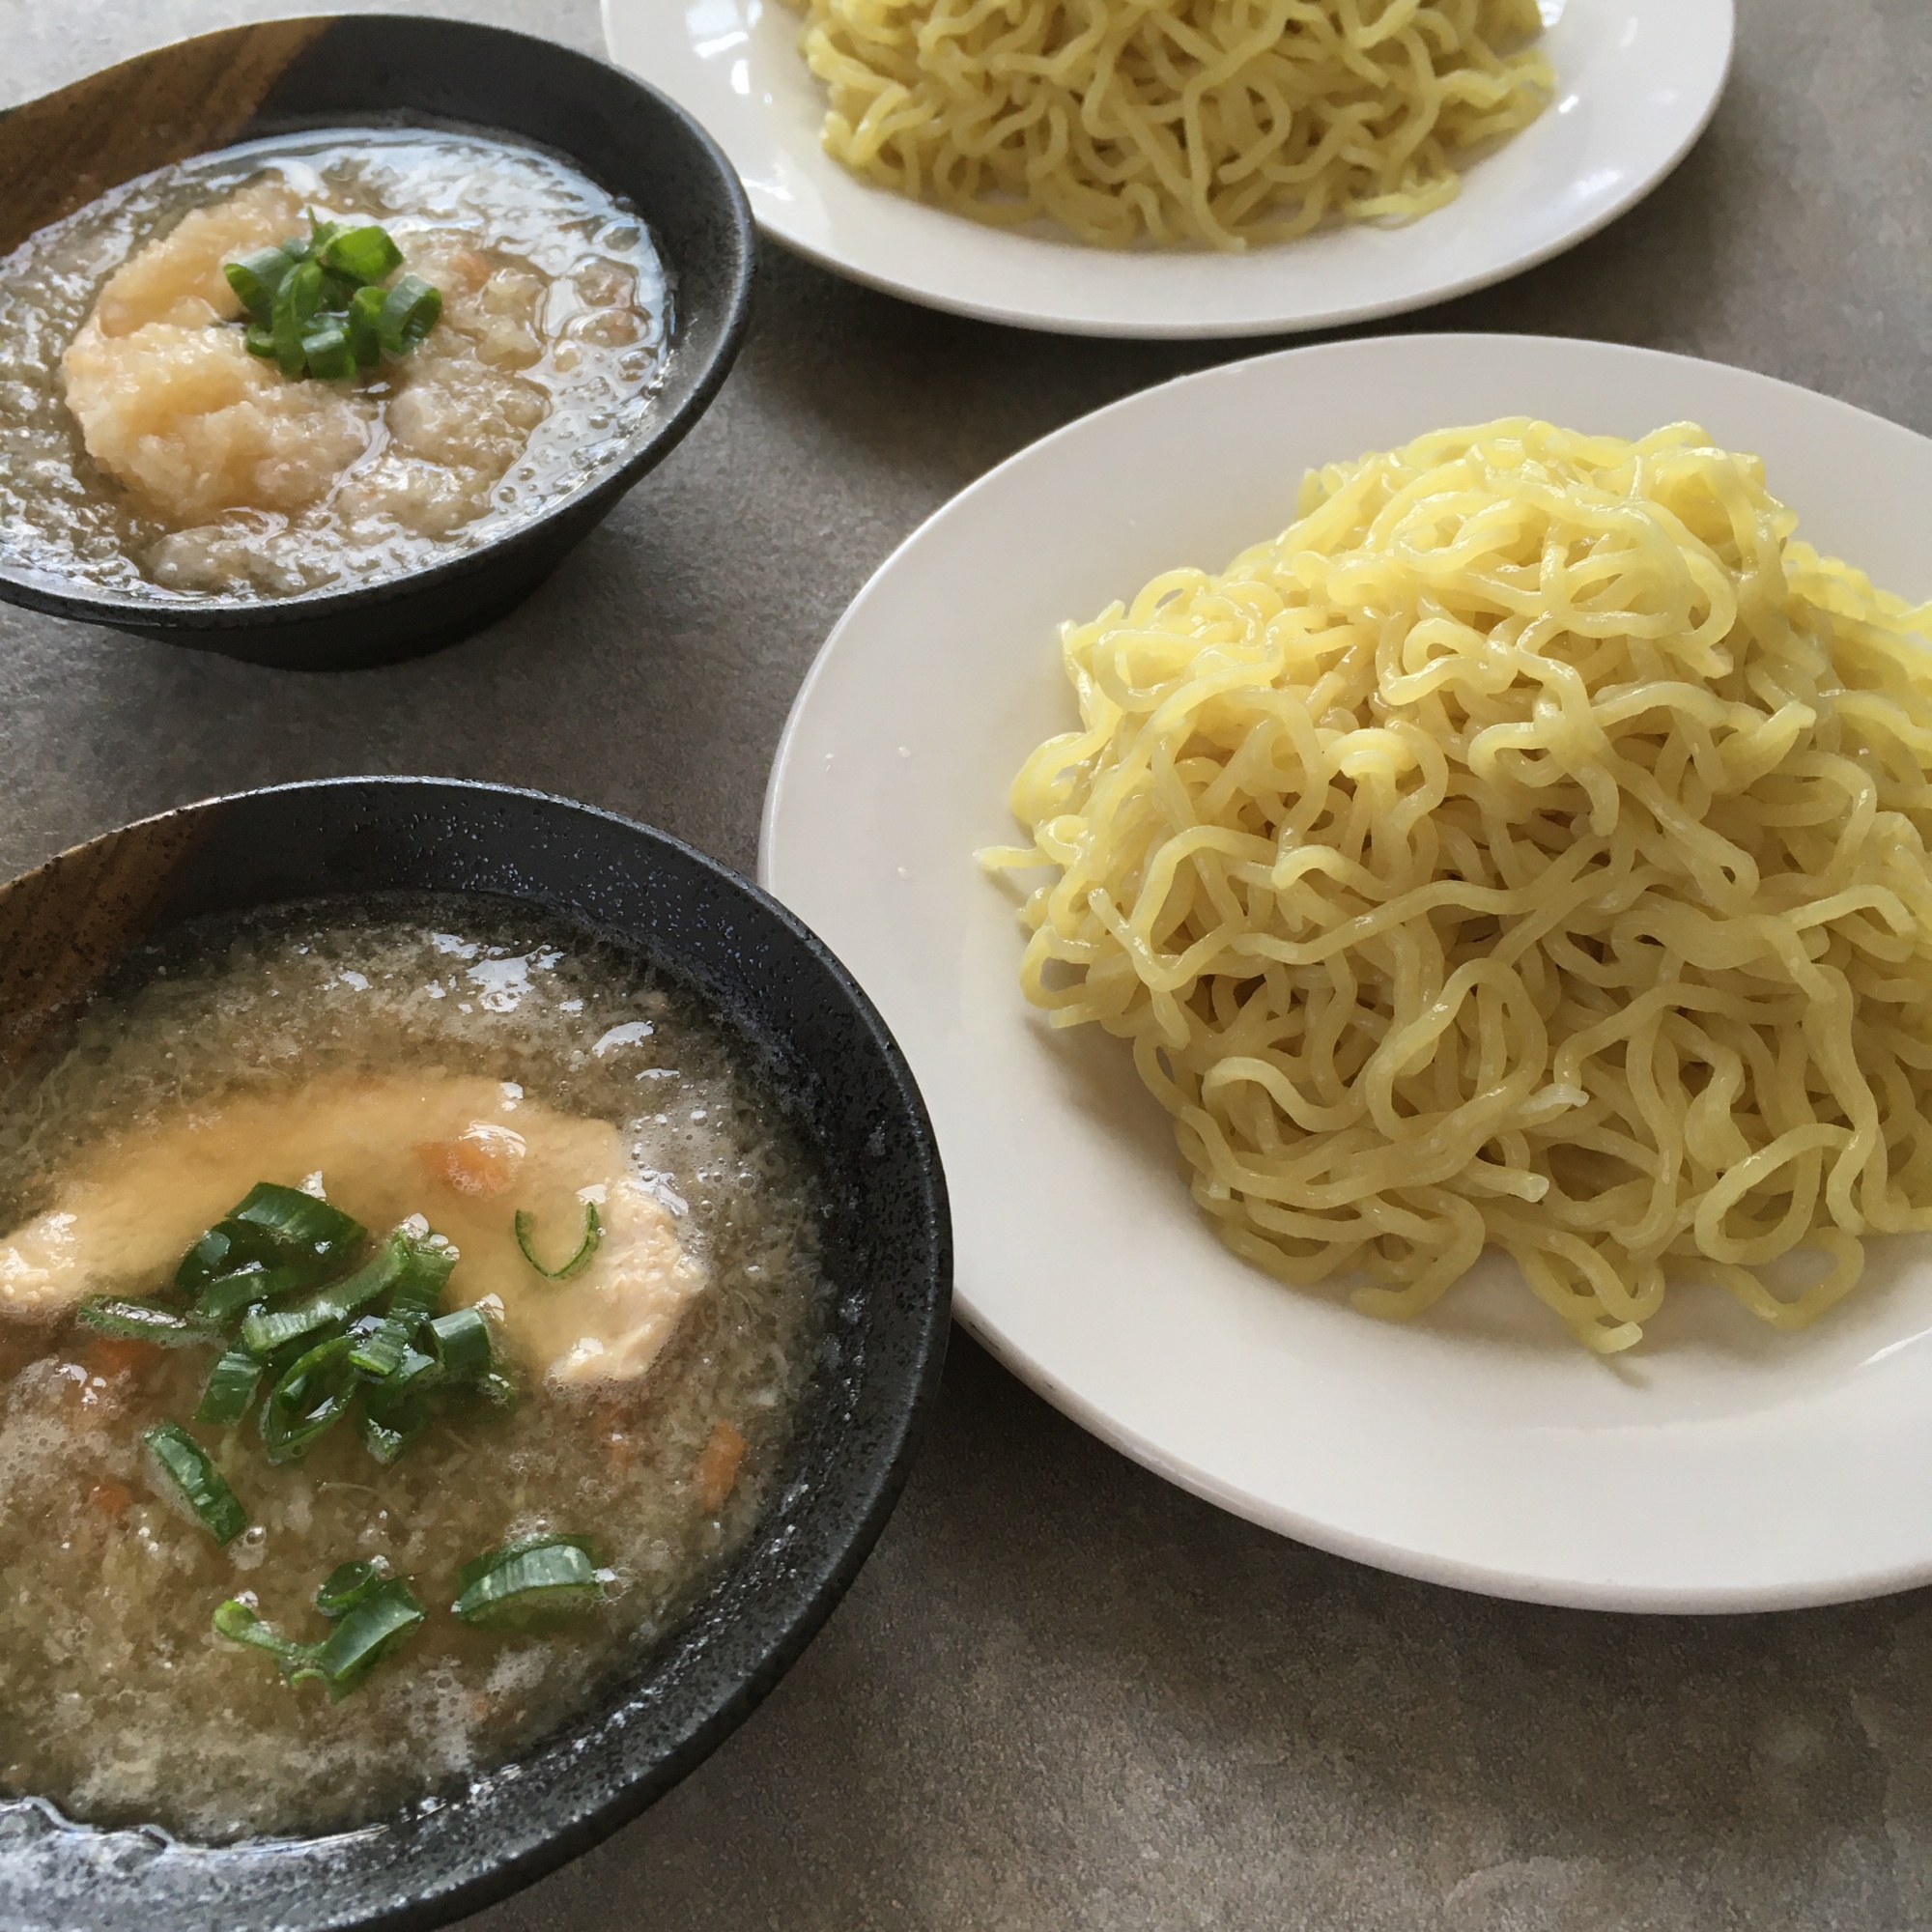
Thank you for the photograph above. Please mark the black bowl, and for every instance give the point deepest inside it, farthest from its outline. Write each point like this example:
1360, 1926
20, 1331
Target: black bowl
888, 1253
61, 151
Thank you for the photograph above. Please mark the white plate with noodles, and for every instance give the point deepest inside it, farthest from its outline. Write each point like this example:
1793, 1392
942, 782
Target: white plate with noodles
1618, 91
1722, 882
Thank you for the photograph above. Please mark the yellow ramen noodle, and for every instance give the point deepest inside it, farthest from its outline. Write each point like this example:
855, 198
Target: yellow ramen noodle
1526, 849
1218, 121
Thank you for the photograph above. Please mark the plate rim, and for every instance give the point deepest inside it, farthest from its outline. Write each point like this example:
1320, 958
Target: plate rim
1480, 1576
1304, 321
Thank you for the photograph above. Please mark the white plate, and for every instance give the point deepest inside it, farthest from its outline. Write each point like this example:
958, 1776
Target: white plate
1637, 80
1724, 1466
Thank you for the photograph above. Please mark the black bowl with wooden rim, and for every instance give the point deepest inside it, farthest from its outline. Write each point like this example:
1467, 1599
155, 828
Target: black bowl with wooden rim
217, 91
886, 1253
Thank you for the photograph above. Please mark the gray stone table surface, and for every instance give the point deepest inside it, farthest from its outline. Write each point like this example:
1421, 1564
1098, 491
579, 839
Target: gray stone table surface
1063, 1694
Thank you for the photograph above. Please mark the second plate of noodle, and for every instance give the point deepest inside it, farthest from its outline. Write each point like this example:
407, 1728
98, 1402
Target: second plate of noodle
1459, 1088
1228, 123
1186, 167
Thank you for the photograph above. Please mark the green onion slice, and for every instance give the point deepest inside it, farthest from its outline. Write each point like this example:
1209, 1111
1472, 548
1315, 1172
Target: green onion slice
428, 1261
385, 1445
320, 232
309, 1400
299, 1220
594, 1235
260, 340
257, 279
136, 1321
229, 1297
296, 303
327, 353
409, 313
240, 1624
272, 1227
373, 1614
395, 1411
362, 254
462, 1344
184, 1475
346, 1585
365, 341
226, 1248
385, 1616
529, 1581
229, 1388
264, 1331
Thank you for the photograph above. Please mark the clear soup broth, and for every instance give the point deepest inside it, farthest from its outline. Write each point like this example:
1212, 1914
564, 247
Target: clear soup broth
453, 1058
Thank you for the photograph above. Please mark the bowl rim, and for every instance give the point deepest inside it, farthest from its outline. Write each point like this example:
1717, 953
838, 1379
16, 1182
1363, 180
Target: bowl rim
818, 1586
660, 436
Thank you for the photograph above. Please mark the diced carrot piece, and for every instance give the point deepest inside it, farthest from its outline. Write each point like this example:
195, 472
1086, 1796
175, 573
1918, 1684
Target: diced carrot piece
480, 1161
109, 1498
718, 1467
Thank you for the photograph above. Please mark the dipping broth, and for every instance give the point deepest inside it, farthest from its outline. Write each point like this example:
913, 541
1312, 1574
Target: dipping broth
450, 1058
144, 450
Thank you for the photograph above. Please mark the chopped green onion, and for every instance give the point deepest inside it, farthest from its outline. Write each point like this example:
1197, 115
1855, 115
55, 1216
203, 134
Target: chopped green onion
383, 1443
413, 1376
395, 1409
256, 279
327, 353
240, 1624
273, 1227
229, 1297
385, 1616
362, 254
309, 1400
322, 232
529, 1581
346, 1585
318, 304
365, 341
409, 313
462, 1344
265, 1330
374, 1613
184, 1473
230, 1389
383, 1271
225, 1248
299, 1220
296, 303
594, 1235
417, 1292
137, 1320
379, 1354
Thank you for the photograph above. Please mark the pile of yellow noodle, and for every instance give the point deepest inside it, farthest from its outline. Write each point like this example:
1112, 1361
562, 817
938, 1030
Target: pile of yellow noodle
1221, 121
1526, 849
